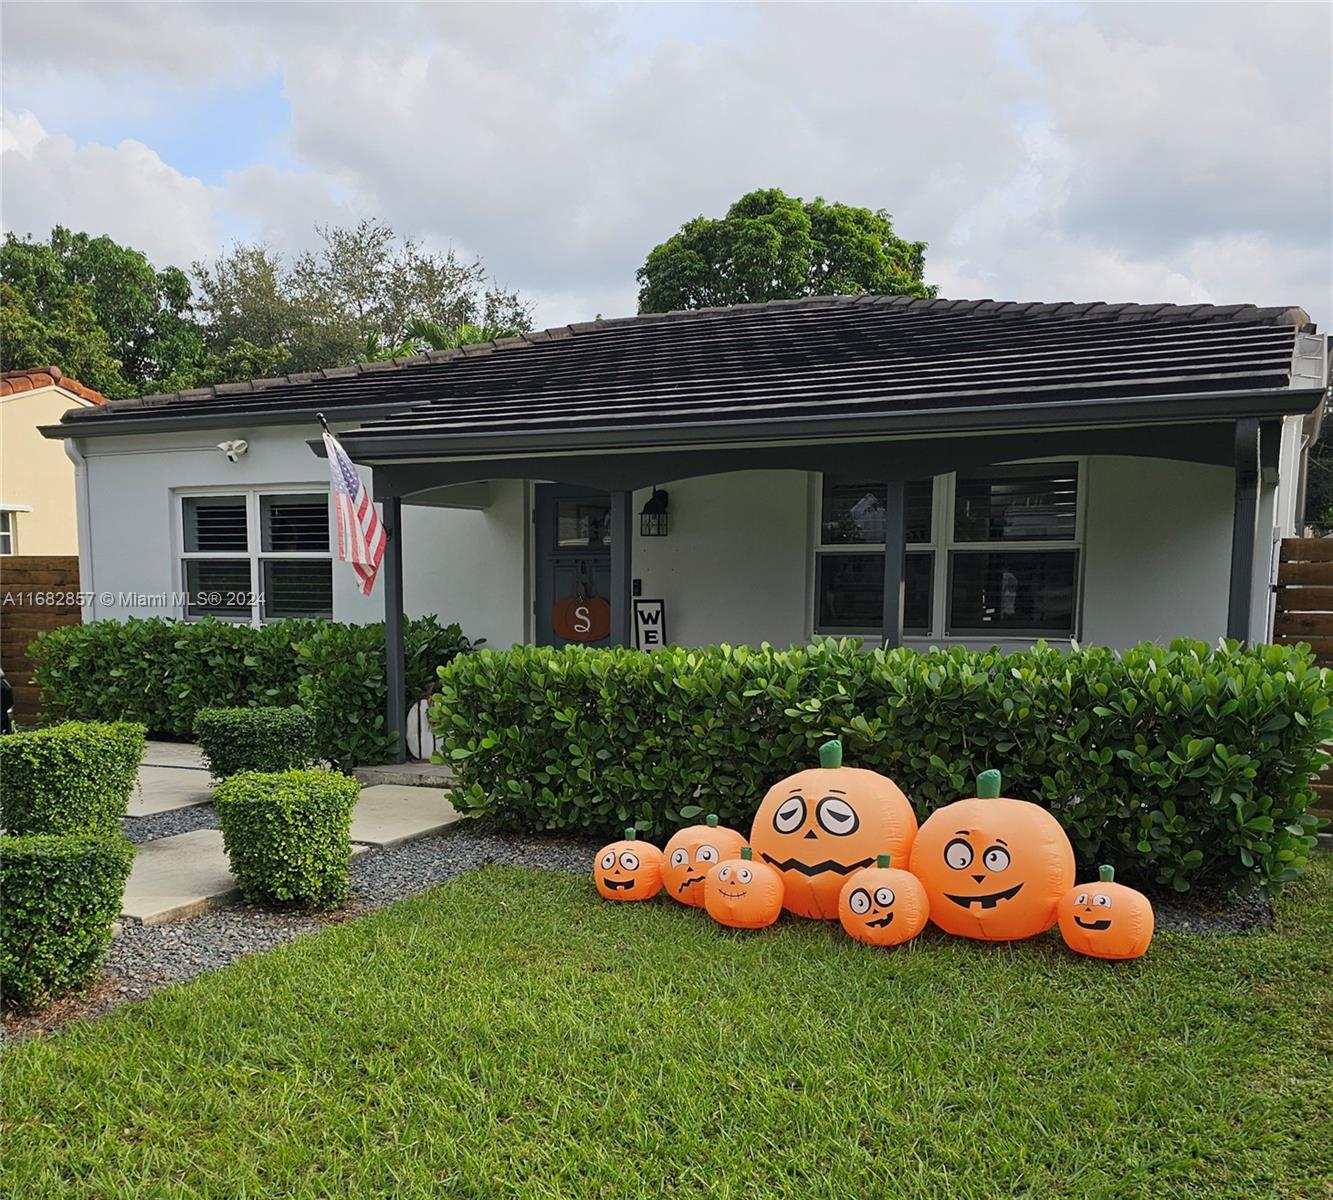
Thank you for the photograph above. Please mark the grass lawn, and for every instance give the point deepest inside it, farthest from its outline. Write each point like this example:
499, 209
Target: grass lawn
511, 1035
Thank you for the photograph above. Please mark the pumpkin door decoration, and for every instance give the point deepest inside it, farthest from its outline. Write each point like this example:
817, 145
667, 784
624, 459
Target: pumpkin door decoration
1106, 919
628, 870
883, 906
694, 851
818, 826
994, 868
581, 617
743, 893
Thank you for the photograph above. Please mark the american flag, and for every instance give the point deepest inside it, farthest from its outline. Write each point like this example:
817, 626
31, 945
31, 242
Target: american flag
360, 534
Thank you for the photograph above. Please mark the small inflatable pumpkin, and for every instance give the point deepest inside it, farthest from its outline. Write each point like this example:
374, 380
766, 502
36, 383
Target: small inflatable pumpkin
694, 851
743, 893
1106, 919
628, 870
818, 826
994, 868
883, 906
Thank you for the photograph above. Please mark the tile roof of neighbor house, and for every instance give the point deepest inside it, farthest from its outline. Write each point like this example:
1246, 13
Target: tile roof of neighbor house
14, 382
818, 357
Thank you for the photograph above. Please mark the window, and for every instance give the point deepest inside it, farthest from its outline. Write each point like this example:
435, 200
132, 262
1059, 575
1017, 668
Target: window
6, 532
990, 553
252, 556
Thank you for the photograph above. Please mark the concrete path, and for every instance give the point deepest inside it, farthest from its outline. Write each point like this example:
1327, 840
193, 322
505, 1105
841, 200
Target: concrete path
163, 788
173, 754
388, 815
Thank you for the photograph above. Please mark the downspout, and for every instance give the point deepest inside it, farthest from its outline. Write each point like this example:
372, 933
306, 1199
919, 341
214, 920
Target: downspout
83, 520
1310, 430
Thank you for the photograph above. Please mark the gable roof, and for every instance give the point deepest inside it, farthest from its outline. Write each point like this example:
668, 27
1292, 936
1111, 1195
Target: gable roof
819, 357
13, 383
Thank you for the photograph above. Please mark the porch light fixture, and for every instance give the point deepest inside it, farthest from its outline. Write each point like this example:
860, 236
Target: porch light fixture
654, 518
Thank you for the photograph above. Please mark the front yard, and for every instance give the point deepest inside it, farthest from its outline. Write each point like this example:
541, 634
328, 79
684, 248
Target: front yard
510, 1034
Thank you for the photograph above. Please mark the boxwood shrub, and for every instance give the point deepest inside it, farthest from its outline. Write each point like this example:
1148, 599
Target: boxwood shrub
255, 739
1175, 764
58, 899
70, 778
287, 834
160, 673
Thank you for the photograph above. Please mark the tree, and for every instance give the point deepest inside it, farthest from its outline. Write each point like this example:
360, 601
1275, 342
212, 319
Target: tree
771, 246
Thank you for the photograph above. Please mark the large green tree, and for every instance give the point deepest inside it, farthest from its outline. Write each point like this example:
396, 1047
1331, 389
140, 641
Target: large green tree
771, 246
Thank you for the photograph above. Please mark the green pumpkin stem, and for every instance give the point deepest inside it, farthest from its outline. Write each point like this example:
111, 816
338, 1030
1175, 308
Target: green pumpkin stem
830, 754
712, 820
1107, 873
629, 834
988, 785
747, 853
882, 860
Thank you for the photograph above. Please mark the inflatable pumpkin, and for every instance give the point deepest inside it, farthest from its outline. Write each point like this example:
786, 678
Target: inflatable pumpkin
882, 906
994, 868
1106, 919
694, 851
628, 870
743, 893
818, 826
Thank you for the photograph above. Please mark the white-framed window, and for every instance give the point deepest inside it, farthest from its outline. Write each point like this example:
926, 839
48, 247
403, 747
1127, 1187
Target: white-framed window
7, 541
993, 552
256, 554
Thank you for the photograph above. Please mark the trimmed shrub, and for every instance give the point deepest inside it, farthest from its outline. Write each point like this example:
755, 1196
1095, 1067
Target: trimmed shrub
255, 739
1175, 765
58, 899
344, 681
161, 673
70, 778
288, 834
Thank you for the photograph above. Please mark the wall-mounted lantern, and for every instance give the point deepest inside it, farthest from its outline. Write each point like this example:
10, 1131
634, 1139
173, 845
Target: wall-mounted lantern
654, 519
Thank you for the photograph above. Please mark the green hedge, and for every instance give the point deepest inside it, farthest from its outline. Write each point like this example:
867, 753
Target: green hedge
288, 834
1175, 765
70, 778
58, 899
160, 673
255, 739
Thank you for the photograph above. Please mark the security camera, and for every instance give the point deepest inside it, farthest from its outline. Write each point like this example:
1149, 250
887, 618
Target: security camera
234, 449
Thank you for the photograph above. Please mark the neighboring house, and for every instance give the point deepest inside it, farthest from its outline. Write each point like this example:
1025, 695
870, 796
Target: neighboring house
37, 485
1014, 471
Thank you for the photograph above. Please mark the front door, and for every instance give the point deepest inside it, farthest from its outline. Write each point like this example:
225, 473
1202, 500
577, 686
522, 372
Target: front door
573, 555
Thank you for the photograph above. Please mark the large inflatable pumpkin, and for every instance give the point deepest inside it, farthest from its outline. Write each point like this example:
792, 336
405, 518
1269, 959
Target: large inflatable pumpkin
628, 870
818, 826
994, 868
883, 906
743, 893
1106, 919
694, 851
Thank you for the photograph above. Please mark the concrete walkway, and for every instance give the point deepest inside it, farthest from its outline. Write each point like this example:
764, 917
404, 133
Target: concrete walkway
178, 876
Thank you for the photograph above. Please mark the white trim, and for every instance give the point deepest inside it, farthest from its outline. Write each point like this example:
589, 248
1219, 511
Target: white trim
15, 508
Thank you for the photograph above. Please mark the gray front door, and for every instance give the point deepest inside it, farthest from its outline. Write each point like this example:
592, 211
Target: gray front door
573, 551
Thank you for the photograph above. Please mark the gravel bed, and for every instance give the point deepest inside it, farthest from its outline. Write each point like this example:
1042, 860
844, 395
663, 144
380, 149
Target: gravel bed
166, 824
1244, 912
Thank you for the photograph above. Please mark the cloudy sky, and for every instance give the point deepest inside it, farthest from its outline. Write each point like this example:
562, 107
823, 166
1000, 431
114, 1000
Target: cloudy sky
1115, 151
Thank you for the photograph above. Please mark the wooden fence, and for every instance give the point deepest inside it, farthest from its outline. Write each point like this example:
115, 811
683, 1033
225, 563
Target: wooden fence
1304, 613
37, 593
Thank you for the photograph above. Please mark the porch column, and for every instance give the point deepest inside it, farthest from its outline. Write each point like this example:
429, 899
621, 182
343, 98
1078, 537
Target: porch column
395, 708
622, 546
1244, 528
895, 562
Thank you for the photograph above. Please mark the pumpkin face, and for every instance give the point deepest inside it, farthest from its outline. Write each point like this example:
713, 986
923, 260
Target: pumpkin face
743, 893
1106, 919
628, 870
818, 826
693, 852
994, 868
882, 906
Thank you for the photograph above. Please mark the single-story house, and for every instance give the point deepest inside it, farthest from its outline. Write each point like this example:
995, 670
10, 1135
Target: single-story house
917, 471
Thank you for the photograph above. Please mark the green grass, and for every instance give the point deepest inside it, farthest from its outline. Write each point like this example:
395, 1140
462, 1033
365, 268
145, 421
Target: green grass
512, 1035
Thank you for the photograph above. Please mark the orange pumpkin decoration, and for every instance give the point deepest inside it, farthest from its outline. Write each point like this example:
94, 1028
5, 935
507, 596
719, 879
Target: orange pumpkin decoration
628, 870
882, 906
1106, 919
994, 868
581, 618
743, 893
818, 826
694, 851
